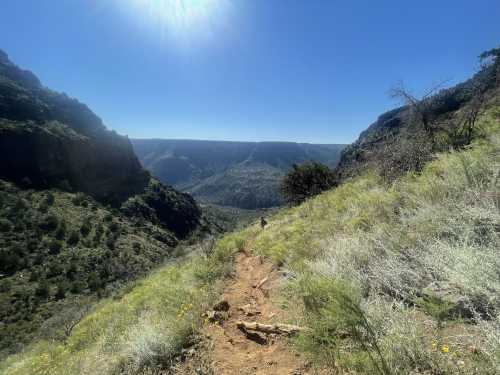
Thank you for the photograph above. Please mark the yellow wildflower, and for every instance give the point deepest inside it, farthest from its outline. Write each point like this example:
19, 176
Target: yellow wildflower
445, 349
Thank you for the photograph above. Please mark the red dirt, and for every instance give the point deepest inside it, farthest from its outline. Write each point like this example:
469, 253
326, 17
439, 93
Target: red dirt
233, 351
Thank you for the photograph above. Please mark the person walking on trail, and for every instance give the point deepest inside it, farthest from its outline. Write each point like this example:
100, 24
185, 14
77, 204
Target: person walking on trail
263, 222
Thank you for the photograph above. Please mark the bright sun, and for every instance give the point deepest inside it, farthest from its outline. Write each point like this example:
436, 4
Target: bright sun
183, 17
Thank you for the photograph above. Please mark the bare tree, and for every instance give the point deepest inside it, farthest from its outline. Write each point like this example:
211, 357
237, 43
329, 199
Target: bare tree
470, 116
421, 109
72, 318
488, 72
207, 246
61, 326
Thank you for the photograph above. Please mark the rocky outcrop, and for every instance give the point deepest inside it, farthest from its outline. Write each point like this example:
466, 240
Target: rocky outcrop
48, 139
43, 155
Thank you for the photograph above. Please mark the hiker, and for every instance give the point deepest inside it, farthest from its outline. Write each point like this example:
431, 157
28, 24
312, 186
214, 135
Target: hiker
263, 222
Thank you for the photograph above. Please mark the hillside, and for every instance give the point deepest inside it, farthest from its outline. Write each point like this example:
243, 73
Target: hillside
240, 174
385, 274
57, 248
405, 138
48, 140
79, 216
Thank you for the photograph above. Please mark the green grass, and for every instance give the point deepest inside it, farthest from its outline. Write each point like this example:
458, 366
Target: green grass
141, 331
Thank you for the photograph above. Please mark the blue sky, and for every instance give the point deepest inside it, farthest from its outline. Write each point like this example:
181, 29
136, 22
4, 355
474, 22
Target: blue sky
293, 70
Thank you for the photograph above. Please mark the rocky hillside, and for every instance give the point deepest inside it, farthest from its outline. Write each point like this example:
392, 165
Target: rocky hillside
240, 174
48, 140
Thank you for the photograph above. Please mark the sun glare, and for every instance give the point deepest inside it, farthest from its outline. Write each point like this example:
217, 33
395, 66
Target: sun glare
183, 18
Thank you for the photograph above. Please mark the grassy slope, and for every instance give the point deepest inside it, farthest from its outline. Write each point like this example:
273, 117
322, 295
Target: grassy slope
400, 278
394, 279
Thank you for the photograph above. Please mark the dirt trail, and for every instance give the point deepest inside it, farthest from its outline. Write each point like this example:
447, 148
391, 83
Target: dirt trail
232, 351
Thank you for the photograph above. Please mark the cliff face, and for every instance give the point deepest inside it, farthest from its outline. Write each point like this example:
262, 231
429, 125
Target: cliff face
50, 140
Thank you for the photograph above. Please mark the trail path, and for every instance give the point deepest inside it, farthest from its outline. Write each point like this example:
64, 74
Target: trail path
233, 351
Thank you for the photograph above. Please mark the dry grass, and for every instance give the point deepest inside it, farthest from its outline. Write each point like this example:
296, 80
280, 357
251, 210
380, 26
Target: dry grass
423, 255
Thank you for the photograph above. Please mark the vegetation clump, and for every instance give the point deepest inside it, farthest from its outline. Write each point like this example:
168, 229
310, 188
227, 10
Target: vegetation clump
305, 181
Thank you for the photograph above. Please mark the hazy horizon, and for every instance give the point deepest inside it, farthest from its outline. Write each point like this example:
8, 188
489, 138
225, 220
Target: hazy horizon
234, 70
229, 141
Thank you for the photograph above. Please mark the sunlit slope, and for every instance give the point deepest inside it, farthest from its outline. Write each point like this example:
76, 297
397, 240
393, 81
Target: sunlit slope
400, 278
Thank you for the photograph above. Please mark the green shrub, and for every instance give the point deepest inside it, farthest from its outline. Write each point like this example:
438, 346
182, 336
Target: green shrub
78, 286
111, 243
11, 262
43, 207
50, 199
73, 238
137, 247
114, 227
60, 233
55, 269
61, 291
20, 205
5, 225
5, 285
337, 321
55, 247
49, 223
438, 308
85, 228
305, 181
72, 271
43, 290
94, 281
99, 231
80, 199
